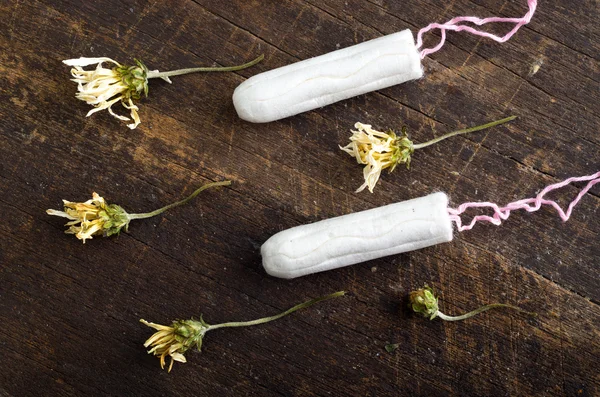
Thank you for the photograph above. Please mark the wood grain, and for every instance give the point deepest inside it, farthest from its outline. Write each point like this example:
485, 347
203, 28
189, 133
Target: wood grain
70, 312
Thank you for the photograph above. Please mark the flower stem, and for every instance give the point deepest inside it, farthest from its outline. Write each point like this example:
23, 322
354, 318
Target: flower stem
178, 203
464, 131
480, 310
278, 316
155, 74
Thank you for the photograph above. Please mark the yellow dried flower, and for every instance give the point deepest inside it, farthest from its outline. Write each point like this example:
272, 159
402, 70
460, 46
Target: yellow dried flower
93, 217
174, 341
182, 335
103, 87
380, 150
97, 218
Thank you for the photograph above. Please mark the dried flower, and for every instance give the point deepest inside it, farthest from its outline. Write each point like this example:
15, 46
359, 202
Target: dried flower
97, 218
380, 150
174, 341
103, 87
425, 302
182, 335
93, 217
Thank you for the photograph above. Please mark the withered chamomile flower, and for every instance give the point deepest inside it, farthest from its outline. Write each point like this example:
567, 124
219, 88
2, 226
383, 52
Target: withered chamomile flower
182, 335
95, 217
102, 87
380, 150
425, 302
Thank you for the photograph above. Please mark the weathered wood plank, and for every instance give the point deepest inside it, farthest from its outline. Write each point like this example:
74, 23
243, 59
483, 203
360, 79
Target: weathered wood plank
70, 312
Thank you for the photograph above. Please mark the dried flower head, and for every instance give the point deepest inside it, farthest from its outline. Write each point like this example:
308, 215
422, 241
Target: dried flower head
380, 150
175, 340
92, 218
425, 302
97, 218
103, 87
183, 335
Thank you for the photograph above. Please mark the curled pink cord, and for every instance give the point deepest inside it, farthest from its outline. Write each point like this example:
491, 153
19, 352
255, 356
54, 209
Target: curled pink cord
455, 24
503, 213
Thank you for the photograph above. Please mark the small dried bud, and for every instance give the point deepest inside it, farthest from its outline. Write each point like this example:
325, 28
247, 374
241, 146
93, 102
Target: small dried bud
424, 301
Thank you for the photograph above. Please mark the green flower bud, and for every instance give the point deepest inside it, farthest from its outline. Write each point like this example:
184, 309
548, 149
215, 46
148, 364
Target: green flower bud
424, 301
135, 78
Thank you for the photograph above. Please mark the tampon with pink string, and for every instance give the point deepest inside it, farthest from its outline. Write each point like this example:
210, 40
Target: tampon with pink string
352, 71
392, 229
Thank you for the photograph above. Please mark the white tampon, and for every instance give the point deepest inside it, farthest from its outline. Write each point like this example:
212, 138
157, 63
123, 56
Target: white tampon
358, 237
329, 78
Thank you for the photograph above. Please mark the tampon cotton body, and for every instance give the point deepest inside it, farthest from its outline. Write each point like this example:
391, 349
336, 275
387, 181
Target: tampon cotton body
329, 78
358, 237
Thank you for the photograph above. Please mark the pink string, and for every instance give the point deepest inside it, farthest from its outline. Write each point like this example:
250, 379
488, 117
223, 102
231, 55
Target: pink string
454, 24
503, 213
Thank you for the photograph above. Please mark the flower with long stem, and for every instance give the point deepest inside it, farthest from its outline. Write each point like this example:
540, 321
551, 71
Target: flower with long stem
96, 217
103, 87
182, 335
424, 301
380, 150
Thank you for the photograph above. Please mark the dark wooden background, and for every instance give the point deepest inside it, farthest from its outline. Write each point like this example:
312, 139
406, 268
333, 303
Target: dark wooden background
69, 312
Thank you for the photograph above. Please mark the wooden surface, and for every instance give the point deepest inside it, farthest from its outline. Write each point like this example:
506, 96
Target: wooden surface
70, 311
